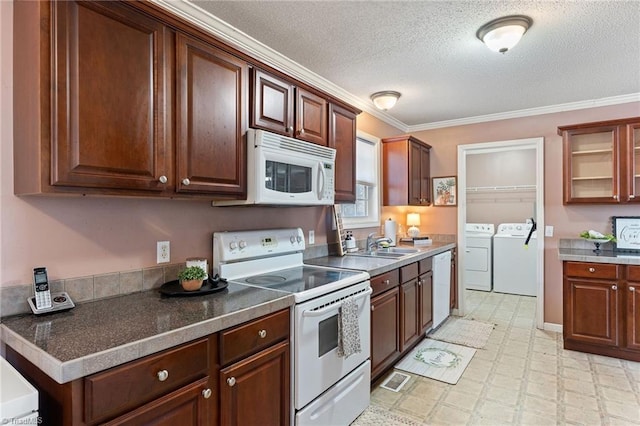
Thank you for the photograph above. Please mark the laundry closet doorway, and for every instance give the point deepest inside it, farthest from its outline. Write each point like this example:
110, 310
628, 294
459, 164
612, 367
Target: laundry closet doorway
502, 182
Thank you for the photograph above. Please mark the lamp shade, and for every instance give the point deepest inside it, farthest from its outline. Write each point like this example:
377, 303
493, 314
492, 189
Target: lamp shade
413, 219
502, 34
385, 100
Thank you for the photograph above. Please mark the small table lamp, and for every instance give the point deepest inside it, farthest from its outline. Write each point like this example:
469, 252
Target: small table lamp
413, 221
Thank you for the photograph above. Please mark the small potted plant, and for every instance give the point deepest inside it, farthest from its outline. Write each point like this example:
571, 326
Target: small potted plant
191, 278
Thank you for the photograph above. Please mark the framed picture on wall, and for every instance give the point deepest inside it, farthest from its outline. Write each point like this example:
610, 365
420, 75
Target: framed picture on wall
445, 192
626, 230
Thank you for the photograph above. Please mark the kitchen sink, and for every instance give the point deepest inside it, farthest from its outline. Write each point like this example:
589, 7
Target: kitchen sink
389, 252
398, 250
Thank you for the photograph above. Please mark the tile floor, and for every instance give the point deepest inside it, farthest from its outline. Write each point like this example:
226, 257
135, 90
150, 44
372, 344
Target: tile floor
523, 376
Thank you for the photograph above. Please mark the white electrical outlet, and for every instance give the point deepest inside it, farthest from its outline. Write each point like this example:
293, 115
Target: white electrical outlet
548, 231
312, 237
163, 252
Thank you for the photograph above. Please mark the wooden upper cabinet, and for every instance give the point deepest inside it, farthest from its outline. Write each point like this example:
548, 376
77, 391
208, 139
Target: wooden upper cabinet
95, 116
311, 117
271, 103
211, 98
342, 137
405, 171
601, 162
279, 106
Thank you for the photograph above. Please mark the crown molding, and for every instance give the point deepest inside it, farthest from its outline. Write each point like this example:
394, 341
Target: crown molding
242, 41
570, 106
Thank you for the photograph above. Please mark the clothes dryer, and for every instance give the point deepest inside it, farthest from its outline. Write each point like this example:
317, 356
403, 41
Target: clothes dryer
514, 263
478, 274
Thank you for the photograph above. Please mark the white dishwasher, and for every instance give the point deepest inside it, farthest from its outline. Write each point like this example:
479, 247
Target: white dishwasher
441, 287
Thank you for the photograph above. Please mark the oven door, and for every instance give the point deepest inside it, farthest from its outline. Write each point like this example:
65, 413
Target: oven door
317, 365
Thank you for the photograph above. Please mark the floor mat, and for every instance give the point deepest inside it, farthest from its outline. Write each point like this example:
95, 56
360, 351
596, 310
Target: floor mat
472, 333
437, 360
377, 416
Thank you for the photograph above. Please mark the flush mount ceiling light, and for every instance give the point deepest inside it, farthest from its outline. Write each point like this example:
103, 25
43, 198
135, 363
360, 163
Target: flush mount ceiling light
503, 33
385, 100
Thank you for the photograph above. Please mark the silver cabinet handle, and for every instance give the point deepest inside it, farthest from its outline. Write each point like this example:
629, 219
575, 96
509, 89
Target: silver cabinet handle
632, 289
373, 308
592, 270
186, 181
614, 287
387, 282
163, 375
231, 381
163, 179
262, 334
206, 393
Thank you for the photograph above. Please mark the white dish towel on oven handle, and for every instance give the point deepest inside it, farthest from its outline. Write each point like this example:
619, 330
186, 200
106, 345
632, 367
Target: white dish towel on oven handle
348, 328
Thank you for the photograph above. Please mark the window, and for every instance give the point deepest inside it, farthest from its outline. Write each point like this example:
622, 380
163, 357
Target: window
365, 212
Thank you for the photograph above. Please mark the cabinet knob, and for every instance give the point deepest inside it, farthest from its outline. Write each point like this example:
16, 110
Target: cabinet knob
301, 132
289, 129
631, 197
373, 308
632, 289
592, 270
206, 393
262, 334
386, 282
419, 282
186, 181
231, 381
615, 197
163, 179
163, 375
614, 287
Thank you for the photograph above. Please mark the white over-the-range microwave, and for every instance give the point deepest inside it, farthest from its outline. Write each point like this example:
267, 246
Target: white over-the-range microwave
286, 171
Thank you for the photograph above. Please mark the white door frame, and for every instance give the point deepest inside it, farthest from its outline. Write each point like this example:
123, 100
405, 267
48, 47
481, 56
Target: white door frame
488, 147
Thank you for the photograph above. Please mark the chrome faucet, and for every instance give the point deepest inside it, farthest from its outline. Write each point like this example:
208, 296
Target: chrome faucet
371, 242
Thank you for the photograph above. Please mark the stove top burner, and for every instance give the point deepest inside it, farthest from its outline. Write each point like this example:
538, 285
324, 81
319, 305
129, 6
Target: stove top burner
265, 279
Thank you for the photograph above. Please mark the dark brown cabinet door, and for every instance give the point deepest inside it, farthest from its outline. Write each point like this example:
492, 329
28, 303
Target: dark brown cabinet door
425, 297
591, 311
342, 137
189, 405
631, 169
108, 98
255, 391
410, 310
385, 331
405, 172
211, 100
271, 103
311, 117
632, 294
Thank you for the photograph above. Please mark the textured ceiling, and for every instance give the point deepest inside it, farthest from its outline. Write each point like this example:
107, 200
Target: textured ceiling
575, 51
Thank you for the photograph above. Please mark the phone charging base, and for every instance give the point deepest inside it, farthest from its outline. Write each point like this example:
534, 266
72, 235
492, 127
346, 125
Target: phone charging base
59, 302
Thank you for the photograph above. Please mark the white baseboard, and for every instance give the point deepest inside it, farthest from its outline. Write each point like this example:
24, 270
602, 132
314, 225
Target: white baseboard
549, 326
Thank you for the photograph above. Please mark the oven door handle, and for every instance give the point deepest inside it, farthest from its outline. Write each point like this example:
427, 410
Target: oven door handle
332, 306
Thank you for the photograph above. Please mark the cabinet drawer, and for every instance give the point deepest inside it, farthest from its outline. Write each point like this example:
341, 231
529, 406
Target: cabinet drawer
425, 265
246, 339
591, 270
383, 282
409, 272
123, 388
633, 273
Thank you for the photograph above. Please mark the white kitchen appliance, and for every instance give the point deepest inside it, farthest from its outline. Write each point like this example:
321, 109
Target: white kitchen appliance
514, 264
18, 398
441, 287
327, 388
478, 259
286, 171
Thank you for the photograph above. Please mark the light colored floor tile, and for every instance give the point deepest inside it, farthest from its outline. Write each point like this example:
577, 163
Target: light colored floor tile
502, 395
579, 386
548, 379
533, 418
626, 411
497, 413
507, 382
572, 373
616, 382
415, 406
540, 405
580, 400
446, 415
582, 416
462, 400
611, 394
542, 390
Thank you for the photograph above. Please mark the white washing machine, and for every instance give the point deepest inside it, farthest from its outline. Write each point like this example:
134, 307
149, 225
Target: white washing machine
478, 256
514, 264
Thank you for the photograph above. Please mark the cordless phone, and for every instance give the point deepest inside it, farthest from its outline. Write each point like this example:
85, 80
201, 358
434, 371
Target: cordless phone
41, 288
43, 301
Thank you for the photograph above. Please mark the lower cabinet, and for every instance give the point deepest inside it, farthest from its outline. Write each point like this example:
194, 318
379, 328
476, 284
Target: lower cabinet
600, 311
184, 385
401, 313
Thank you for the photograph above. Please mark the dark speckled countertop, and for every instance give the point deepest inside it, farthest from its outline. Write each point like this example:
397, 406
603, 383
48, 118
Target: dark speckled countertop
102, 334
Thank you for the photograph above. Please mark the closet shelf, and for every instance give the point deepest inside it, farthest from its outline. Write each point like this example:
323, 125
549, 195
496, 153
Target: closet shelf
508, 188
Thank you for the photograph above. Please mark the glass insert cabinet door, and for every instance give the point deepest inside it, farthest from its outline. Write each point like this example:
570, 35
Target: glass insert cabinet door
601, 162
